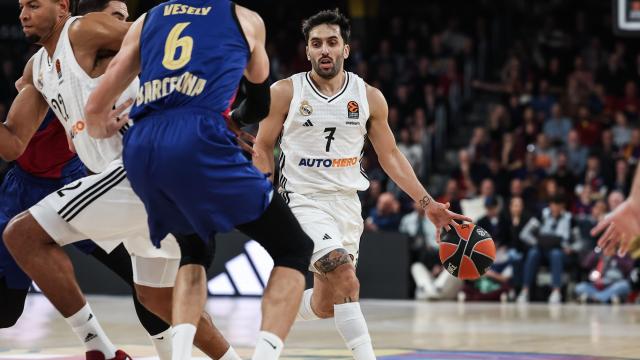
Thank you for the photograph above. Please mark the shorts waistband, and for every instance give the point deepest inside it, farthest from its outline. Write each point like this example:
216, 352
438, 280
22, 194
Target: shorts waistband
182, 111
21, 173
346, 195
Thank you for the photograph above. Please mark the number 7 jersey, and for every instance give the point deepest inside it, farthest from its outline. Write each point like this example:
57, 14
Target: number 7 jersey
323, 138
66, 88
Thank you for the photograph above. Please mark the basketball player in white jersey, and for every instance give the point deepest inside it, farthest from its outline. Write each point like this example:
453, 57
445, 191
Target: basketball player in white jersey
101, 207
323, 117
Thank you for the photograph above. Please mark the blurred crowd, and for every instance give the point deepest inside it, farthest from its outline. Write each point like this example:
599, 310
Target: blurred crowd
524, 116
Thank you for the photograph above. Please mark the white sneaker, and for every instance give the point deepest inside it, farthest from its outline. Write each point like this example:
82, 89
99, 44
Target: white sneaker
523, 298
555, 297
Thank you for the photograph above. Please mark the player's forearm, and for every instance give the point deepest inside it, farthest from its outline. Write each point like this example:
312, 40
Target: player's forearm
635, 188
264, 161
11, 147
396, 165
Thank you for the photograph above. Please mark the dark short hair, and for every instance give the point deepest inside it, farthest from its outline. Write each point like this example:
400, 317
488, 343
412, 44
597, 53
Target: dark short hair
83, 7
329, 17
558, 199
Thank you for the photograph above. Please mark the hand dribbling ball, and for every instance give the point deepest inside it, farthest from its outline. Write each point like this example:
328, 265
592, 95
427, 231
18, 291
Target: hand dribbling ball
467, 251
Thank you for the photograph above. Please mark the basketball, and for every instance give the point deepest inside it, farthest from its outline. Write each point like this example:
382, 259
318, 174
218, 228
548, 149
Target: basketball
467, 251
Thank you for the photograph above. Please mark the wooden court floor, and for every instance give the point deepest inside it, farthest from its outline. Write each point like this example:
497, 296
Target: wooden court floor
400, 330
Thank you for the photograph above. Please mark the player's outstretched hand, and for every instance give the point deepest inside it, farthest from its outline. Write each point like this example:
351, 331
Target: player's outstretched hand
620, 227
442, 217
245, 139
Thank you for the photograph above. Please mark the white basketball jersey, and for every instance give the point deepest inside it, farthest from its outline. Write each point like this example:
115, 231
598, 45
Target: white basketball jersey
66, 88
323, 137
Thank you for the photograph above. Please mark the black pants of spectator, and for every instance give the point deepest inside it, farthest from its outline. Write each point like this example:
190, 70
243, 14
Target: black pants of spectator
12, 300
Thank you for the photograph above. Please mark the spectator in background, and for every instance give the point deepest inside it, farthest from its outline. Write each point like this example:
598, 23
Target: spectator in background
583, 224
576, 153
479, 147
512, 156
369, 198
423, 252
549, 240
411, 150
631, 152
517, 219
614, 199
563, 175
608, 279
468, 174
451, 195
545, 155
543, 102
621, 130
475, 207
593, 176
587, 127
386, 215
622, 177
557, 126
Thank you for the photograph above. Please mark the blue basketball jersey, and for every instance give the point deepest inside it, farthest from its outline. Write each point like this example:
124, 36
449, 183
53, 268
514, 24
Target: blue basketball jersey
193, 54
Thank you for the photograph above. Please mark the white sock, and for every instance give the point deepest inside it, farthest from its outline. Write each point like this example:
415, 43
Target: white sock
268, 347
353, 328
182, 341
231, 354
162, 343
305, 312
85, 324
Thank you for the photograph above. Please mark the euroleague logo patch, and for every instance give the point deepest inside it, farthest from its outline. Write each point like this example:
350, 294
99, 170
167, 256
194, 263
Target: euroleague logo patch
353, 110
58, 69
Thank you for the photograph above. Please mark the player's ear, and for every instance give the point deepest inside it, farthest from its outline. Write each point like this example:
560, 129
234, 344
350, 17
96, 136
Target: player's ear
346, 51
64, 6
306, 50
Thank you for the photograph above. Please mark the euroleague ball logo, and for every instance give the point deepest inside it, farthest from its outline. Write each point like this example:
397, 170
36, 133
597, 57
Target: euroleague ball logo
353, 110
482, 232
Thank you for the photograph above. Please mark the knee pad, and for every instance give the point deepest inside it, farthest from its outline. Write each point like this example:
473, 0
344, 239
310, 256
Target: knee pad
280, 233
195, 250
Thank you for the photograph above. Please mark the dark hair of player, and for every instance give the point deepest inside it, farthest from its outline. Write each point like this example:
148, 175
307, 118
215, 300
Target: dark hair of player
329, 17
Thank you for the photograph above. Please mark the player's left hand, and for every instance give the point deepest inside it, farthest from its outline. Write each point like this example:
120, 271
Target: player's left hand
245, 139
442, 217
620, 227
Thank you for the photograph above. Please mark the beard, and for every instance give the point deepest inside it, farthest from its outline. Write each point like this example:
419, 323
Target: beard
33, 38
328, 73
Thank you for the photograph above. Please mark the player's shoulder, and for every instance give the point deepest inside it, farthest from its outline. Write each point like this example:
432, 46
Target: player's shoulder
91, 25
282, 89
374, 95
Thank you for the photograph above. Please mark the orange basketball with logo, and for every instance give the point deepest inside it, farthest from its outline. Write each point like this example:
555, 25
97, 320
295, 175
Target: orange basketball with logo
467, 251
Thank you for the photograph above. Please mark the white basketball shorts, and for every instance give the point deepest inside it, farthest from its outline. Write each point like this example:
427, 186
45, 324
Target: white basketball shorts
104, 208
332, 221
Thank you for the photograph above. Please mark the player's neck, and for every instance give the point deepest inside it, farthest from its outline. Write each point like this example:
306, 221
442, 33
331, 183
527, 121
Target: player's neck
51, 41
328, 87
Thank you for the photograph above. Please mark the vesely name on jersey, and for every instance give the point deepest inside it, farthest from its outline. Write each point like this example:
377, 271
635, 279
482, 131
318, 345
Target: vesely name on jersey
177, 9
328, 163
186, 83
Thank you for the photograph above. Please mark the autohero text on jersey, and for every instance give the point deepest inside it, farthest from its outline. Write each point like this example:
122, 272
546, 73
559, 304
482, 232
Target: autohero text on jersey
327, 163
